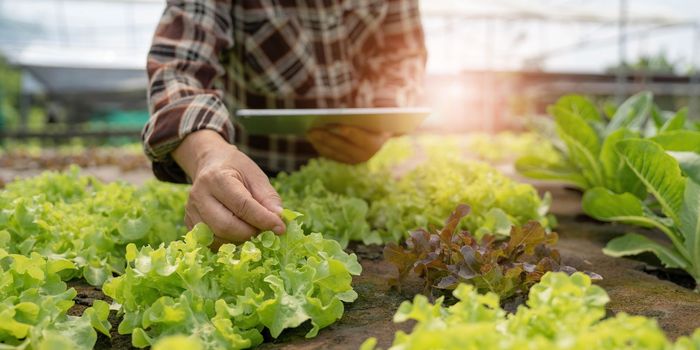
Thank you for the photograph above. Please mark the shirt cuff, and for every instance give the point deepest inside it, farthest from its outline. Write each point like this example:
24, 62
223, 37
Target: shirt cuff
170, 125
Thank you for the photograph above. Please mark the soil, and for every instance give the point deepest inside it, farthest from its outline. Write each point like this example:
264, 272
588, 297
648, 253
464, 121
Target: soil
676, 276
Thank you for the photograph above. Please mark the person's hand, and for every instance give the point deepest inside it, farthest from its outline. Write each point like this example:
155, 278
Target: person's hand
230, 193
346, 144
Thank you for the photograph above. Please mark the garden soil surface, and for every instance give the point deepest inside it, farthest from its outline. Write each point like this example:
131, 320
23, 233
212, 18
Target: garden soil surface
631, 290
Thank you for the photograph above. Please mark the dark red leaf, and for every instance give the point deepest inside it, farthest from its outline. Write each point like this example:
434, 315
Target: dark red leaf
444, 258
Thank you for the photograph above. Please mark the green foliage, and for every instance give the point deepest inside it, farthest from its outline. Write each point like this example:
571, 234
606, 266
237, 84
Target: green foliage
34, 302
633, 114
340, 216
428, 193
506, 145
587, 156
384, 199
562, 312
677, 196
225, 299
10, 86
88, 222
642, 152
445, 257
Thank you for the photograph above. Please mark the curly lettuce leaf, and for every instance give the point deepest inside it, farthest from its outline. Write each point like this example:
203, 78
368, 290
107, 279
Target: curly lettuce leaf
88, 222
34, 303
225, 299
562, 312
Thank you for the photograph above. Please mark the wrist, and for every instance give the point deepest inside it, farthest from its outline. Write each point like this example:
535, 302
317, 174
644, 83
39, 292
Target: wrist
197, 149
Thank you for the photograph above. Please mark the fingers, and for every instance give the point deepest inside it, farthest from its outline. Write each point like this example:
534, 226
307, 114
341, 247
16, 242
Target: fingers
233, 197
236, 197
339, 146
330, 153
222, 222
192, 218
263, 192
361, 137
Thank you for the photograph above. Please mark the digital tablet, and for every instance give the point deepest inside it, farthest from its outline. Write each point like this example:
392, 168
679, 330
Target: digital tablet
299, 121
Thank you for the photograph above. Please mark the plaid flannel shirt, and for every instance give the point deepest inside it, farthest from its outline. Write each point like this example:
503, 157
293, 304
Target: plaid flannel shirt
211, 57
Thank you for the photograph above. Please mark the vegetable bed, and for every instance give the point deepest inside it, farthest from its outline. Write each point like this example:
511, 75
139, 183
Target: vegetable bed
631, 290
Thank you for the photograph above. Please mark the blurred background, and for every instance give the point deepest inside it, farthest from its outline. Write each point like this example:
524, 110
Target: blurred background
74, 69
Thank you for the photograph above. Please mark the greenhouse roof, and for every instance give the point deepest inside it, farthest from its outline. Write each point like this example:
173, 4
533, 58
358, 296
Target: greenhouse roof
599, 11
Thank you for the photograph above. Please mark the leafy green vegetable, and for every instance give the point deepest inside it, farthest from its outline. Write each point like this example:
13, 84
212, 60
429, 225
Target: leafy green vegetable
633, 114
658, 172
446, 257
503, 146
34, 302
588, 157
428, 193
582, 142
381, 206
225, 299
679, 140
677, 196
338, 216
689, 163
633, 244
562, 312
618, 171
88, 222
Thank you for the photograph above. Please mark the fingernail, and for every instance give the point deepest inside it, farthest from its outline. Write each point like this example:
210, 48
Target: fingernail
277, 209
278, 230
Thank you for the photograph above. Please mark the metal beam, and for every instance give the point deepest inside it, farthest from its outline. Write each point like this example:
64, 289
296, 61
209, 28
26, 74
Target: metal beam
67, 134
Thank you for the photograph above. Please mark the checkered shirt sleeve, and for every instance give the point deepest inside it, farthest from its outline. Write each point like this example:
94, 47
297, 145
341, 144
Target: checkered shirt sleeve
183, 64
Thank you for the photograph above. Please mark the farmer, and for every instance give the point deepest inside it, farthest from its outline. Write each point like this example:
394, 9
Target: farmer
209, 57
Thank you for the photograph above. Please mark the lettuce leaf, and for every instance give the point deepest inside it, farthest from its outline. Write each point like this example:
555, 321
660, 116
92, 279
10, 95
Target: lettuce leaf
225, 299
562, 312
34, 303
88, 222
446, 257
369, 202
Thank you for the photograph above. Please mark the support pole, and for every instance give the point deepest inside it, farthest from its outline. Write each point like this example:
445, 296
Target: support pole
621, 88
694, 98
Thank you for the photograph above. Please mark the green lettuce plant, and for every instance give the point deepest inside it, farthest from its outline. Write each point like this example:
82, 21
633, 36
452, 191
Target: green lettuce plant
429, 192
676, 196
586, 142
88, 222
338, 216
641, 167
562, 312
226, 299
34, 303
383, 200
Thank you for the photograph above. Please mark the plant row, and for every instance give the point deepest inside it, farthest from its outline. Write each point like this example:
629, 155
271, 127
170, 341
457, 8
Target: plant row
383, 200
562, 312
